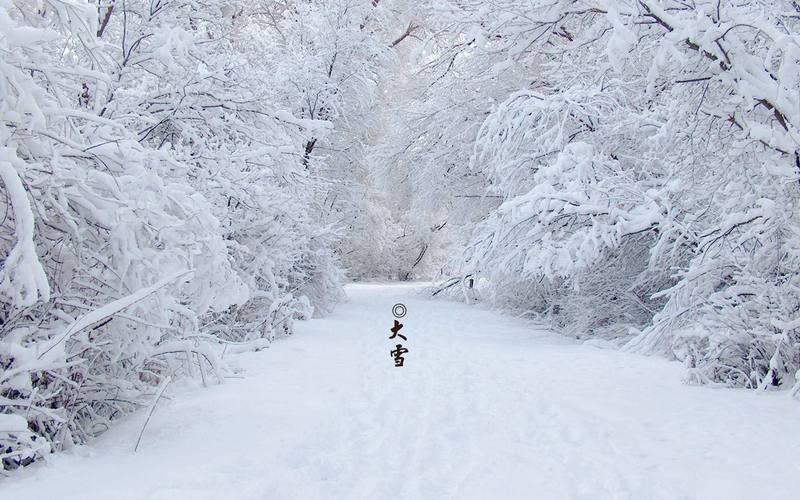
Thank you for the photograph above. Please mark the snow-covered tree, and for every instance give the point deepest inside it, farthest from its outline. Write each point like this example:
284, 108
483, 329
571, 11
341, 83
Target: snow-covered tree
649, 176
158, 203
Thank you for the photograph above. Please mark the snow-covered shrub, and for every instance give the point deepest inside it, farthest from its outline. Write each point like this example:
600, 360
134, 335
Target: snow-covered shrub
156, 203
648, 173
111, 264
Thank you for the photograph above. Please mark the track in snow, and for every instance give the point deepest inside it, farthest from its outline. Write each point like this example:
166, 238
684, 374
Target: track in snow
486, 407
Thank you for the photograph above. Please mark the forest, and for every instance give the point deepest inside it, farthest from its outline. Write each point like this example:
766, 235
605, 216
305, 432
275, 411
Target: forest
185, 180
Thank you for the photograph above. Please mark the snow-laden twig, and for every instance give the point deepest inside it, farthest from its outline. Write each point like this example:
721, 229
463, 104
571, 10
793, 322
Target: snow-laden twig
151, 409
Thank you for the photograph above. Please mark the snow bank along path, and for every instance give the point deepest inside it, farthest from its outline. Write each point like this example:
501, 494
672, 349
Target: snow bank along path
485, 407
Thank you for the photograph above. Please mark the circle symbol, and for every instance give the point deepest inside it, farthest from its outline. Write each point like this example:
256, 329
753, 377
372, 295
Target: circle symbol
399, 310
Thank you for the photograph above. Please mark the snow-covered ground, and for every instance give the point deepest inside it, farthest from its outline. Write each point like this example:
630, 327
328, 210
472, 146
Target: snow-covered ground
485, 407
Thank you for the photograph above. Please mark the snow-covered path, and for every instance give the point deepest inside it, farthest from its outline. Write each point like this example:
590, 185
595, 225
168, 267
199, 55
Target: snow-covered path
486, 407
